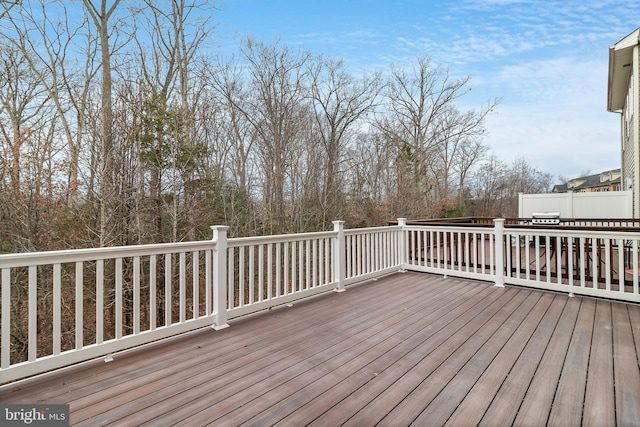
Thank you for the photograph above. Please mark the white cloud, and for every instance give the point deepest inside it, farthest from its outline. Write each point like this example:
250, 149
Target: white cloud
546, 59
554, 115
555, 142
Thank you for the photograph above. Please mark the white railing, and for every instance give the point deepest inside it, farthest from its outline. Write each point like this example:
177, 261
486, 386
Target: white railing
372, 252
454, 251
63, 307
272, 270
599, 263
586, 262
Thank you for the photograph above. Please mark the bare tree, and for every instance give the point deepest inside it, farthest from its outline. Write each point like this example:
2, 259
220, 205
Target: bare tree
229, 90
421, 120
524, 178
457, 147
172, 31
489, 188
270, 140
275, 109
472, 152
23, 101
28, 151
340, 101
100, 15
371, 181
6, 6
45, 38
496, 184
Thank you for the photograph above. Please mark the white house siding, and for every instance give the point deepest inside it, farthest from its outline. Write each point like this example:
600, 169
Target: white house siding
633, 105
624, 98
629, 150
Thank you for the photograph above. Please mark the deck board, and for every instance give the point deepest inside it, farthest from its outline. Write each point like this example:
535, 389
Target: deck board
356, 372
536, 405
569, 398
445, 387
320, 352
504, 406
473, 405
413, 351
359, 349
626, 372
248, 365
600, 407
377, 399
407, 348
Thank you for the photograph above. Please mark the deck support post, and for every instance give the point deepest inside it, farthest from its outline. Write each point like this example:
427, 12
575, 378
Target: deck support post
402, 244
220, 276
339, 256
499, 262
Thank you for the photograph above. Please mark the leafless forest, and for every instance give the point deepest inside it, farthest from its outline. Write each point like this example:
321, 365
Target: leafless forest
122, 122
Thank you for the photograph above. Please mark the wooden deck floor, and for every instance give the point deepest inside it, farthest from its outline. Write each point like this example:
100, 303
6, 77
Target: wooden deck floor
408, 348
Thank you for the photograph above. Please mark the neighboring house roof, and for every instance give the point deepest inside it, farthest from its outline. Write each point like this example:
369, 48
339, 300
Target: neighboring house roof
559, 188
601, 179
620, 60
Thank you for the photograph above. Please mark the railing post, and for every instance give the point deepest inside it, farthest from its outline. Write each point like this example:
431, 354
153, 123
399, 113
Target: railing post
339, 256
220, 276
499, 241
402, 244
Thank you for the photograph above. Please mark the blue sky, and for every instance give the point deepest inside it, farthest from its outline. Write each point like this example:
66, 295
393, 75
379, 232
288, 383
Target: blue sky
546, 60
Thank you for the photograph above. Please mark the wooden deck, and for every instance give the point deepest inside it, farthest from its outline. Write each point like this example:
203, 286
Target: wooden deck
407, 348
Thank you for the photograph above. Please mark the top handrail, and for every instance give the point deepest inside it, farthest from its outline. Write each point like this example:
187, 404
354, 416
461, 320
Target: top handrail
92, 254
586, 224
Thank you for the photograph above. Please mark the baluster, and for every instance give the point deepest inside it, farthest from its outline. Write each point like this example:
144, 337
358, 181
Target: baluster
153, 297
251, 280
136, 295
6, 319
270, 271
57, 312
195, 269
168, 297
33, 314
183, 287
118, 298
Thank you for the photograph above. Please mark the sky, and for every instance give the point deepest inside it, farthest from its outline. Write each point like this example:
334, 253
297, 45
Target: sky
546, 60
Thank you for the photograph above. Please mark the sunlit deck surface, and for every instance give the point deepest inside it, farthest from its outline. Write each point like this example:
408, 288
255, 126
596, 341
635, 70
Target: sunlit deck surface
407, 348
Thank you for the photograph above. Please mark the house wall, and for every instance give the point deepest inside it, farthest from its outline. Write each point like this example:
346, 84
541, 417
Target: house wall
634, 131
624, 97
606, 204
630, 127
608, 187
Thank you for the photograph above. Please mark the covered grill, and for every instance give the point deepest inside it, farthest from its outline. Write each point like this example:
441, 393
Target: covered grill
545, 218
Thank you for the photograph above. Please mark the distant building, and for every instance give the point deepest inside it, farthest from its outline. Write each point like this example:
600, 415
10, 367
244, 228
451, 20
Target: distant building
604, 181
624, 97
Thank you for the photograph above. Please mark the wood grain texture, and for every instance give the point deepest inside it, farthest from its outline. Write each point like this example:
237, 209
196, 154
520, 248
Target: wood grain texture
406, 349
